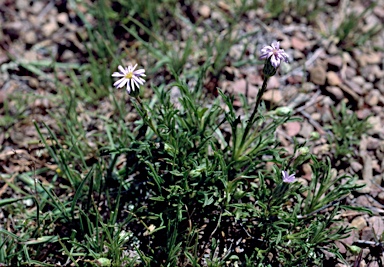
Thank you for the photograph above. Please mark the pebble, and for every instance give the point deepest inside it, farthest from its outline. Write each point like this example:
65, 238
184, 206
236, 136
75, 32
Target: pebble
308, 87
333, 78
306, 129
273, 96
335, 91
359, 222
62, 18
205, 11
366, 233
359, 80
317, 75
335, 62
49, 28
375, 122
356, 166
354, 87
33, 82
30, 37
380, 196
299, 43
316, 116
292, 128
377, 224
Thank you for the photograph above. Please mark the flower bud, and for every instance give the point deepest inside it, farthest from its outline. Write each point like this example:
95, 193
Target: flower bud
269, 70
315, 136
284, 111
103, 262
303, 150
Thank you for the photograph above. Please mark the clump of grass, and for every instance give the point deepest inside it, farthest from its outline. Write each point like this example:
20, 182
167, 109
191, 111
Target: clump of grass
346, 132
350, 33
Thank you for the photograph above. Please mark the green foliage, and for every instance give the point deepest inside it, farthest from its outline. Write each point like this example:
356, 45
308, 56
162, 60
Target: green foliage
346, 132
296, 8
350, 34
191, 181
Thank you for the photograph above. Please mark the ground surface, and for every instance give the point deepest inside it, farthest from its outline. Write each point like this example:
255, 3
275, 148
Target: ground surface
323, 72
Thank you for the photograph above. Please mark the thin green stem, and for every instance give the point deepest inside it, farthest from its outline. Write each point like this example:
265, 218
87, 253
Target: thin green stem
146, 117
252, 118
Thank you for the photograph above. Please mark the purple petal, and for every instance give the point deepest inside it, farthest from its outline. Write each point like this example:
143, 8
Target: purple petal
276, 45
275, 61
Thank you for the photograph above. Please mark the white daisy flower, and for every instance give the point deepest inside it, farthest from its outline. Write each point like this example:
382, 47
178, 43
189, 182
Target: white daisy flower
130, 77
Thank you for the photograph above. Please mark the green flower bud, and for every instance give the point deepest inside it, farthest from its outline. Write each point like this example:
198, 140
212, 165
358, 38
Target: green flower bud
315, 136
303, 150
354, 249
269, 70
284, 111
103, 262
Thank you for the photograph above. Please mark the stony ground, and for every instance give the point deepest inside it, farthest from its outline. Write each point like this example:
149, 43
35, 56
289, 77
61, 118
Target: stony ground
323, 73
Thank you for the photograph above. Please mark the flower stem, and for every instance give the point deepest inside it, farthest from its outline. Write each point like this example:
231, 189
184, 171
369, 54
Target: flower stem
252, 118
146, 118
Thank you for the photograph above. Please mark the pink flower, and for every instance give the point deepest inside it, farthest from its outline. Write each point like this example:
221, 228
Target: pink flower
288, 178
130, 77
274, 53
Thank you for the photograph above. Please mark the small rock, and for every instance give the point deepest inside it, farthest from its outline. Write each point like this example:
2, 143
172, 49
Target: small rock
306, 129
255, 79
22, 4
364, 113
354, 87
372, 143
49, 28
380, 196
366, 233
350, 92
62, 18
367, 168
359, 80
307, 169
373, 58
341, 247
299, 44
359, 222
205, 11
273, 96
243, 87
333, 78
377, 127
356, 166
33, 82
377, 224
372, 98
308, 87
36, 7
317, 75
350, 72
293, 128
316, 116
30, 37
335, 62
335, 91
363, 201
30, 55
273, 83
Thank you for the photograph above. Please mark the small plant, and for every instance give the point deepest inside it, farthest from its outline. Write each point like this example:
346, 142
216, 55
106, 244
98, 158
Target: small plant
346, 132
165, 180
350, 34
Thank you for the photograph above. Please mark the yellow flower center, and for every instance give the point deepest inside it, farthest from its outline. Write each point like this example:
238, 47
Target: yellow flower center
128, 75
